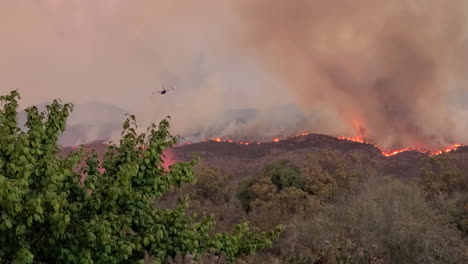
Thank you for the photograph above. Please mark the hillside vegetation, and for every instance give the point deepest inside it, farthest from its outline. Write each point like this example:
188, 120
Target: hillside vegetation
346, 211
333, 207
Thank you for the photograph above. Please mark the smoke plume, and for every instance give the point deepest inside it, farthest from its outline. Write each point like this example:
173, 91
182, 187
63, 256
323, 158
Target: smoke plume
389, 67
251, 69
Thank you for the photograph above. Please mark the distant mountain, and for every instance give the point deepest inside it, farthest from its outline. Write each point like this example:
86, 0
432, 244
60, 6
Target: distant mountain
88, 122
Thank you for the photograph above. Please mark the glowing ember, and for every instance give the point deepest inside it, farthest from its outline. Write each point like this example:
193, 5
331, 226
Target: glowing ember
448, 149
358, 139
388, 153
391, 153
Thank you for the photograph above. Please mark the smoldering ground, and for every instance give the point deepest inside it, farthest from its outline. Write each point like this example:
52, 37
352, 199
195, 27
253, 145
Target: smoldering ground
395, 68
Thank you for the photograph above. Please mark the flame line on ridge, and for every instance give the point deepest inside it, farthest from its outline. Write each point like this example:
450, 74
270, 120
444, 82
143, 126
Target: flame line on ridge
357, 139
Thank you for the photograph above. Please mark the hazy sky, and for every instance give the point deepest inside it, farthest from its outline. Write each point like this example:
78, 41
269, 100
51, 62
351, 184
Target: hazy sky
396, 68
118, 52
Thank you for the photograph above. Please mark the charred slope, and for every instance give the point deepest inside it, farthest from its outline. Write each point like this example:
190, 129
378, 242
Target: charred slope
248, 160
257, 151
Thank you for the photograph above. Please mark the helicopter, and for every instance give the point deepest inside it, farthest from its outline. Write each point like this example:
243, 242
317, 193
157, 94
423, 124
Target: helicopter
163, 91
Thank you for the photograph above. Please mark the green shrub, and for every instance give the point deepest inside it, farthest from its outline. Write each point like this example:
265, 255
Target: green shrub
49, 216
246, 195
211, 185
326, 175
440, 175
283, 174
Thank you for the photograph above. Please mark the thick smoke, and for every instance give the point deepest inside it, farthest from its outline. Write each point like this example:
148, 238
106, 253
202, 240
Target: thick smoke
390, 67
247, 69
118, 52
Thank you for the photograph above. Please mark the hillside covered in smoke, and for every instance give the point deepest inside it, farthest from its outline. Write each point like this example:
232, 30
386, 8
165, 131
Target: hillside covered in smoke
393, 71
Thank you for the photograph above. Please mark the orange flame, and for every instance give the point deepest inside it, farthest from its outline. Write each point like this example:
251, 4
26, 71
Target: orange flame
358, 139
394, 152
448, 149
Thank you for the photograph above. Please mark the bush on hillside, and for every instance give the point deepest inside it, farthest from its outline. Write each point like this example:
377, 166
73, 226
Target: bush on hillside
387, 222
446, 187
283, 174
440, 175
246, 195
326, 175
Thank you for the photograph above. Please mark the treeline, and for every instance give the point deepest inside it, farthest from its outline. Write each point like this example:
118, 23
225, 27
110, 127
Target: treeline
339, 209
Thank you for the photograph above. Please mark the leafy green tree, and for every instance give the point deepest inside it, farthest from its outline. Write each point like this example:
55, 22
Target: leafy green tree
283, 174
47, 215
246, 195
327, 175
211, 186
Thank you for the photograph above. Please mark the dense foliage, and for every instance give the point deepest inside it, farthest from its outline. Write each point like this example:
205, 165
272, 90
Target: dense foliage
49, 216
446, 188
283, 174
346, 212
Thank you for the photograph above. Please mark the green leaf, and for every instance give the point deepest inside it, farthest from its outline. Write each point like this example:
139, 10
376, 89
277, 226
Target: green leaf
20, 229
126, 124
8, 224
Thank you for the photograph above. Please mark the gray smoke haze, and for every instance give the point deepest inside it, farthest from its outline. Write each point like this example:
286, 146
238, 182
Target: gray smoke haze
117, 52
252, 69
391, 67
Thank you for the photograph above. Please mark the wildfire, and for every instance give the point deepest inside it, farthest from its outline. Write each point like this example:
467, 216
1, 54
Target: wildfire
358, 139
394, 152
389, 153
448, 149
